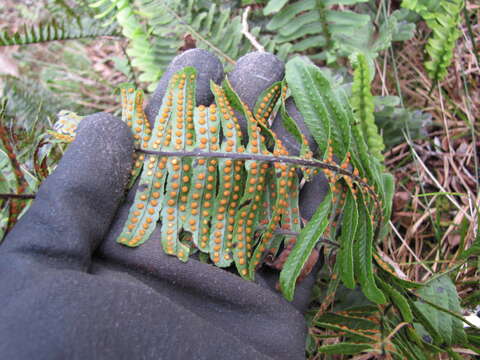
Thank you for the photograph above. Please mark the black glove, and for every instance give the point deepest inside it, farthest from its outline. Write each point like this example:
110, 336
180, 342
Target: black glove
69, 291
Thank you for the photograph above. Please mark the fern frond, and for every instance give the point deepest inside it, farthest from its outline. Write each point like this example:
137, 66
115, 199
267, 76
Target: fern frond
156, 28
140, 48
67, 10
425, 8
312, 24
234, 196
30, 103
318, 99
215, 28
54, 30
444, 22
363, 106
440, 46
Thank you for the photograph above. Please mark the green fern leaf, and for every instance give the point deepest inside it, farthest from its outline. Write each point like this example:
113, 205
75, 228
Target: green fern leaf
230, 181
362, 103
140, 47
441, 44
55, 31
423, 7
304, 246
397, 299
312, 25
349, 228
156, 29
235, 198
308, 99
274, 6
134, 117
345, 348
393, 276
443, 17
185, 206
27, 101
442, 293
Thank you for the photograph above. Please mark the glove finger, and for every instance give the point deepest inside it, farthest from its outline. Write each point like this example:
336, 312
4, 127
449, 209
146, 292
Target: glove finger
75, 205
208, 68
254, 73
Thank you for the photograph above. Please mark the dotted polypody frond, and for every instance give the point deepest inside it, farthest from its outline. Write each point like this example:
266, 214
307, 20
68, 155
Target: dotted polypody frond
234, 196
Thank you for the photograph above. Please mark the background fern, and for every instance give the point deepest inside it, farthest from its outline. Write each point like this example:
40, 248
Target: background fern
326, 34
362, 103
55, 31
156, 30
443, 18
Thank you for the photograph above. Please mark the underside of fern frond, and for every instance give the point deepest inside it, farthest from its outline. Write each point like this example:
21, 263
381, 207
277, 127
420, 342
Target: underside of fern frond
324, 32
235, 196
215, 203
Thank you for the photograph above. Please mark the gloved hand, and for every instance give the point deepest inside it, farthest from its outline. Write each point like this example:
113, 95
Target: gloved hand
69, 291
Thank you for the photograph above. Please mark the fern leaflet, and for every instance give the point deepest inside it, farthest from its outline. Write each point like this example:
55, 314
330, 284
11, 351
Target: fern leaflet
362, 104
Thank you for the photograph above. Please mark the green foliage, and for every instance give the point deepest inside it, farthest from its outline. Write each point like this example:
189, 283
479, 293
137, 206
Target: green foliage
26, 104
140, 49
68, 9
444, 19
45, 88
394, 121
315, 19
362, 255
55, 31
422, 7
305, 244
328, 114
156, 30
347, 237
317, 97
446, 328
12, 176
401, 328
362, 103
314, 27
